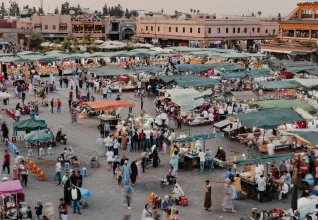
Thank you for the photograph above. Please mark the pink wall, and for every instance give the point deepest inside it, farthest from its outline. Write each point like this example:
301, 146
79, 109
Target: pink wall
51, 23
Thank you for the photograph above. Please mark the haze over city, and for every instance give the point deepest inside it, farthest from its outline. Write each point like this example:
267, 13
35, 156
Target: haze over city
239, 7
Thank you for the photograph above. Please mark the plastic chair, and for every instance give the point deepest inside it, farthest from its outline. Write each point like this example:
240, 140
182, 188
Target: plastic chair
30, 153
34, 168
84, 172
41, 152
14, 139
49, 151
37, 173
30, 165
67, 166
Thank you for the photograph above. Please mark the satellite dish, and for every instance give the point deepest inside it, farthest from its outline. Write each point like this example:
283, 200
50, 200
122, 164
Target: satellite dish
72, 12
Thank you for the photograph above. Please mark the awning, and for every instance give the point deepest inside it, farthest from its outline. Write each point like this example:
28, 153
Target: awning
222, 124
295, 53
258, 73
233, 75
109, 71
264, 159
109, 104
307, 82
294, 104
284, 84
201, 137
10, 187
308, 135
269, 118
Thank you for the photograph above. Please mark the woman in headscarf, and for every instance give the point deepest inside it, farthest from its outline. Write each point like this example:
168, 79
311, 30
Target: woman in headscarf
177, 193
134, 172
228, 193
155, 157
175, 160
123, 143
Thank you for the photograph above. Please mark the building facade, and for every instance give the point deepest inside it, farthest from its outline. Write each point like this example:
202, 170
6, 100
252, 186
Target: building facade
180, 32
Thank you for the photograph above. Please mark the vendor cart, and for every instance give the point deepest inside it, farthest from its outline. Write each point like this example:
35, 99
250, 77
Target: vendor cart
249, 187
9, 207
85, 194
191, 160
112, 120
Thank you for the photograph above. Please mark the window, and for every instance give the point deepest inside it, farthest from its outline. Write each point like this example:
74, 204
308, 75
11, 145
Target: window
46, 27
146, 28
219, 30
245, 30
227, 30
176, 29
238, 30
190, 30
266, 31
158, 28
199, 30
151, 28
253, 30
233, 30
258, 30
169, 29
274, 31
54, 27
183, 30
209, 31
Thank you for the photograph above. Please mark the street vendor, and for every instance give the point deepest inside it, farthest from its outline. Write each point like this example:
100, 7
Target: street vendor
220, 154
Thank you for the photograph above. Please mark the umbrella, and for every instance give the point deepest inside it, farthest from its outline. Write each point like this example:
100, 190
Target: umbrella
38, 137
4, 95
50, 59
29, 125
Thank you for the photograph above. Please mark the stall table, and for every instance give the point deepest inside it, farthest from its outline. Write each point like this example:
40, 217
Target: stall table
191, 160
113, 121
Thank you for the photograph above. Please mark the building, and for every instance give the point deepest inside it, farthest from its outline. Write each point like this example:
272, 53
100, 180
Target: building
120, 29
298, 35
179, 32
9, 32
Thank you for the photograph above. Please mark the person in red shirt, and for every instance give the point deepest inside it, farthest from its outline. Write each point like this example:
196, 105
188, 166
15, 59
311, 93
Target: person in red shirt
71, 95
6, 161
59, 104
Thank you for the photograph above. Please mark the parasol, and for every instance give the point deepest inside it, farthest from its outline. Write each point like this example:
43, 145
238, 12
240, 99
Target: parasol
39, 136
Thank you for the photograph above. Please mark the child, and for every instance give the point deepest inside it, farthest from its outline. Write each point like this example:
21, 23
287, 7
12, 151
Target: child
164, 147
176, 216
118, 175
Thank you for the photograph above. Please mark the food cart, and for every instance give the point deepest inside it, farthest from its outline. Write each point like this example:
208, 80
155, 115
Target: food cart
110, 119
9, 207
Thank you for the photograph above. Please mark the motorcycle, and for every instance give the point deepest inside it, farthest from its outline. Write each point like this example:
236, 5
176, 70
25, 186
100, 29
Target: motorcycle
61, 138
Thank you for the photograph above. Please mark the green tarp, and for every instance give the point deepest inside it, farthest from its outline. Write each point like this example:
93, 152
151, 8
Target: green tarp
140, 69
285, 84
49, 59
109, 71
295, 53
310, 136
258, 73
38, 137
264, 159
191, 80
233, 75
29, 125
192, 67
269, 118
201, 137
294, 104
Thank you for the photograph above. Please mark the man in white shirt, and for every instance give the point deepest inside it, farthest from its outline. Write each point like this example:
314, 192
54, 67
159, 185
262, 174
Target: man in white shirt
211, 117
147, 134
211, 109
120, 90
75, 195
198, 146
58, 171
205, 114
108, 143
17, 115
202, 160
283, 190
105, 90
139, 85
261, 185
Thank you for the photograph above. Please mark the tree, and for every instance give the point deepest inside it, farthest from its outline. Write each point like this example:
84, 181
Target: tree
65, 9
134, 13
191, 10
162, 11
34, 11
14, 9
259, 13
3, 10
35, 40
194, 11
26, 7
175, 12
252, 14
105, 10
56, 11
198, 11
40, 11
127, 14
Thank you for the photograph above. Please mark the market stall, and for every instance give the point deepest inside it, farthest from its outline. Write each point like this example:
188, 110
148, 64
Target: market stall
9, 206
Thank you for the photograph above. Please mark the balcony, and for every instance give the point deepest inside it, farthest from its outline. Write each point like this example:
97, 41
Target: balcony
93, 34
306, 16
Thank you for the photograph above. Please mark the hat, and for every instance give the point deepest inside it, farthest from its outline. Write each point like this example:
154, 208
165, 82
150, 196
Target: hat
207, 181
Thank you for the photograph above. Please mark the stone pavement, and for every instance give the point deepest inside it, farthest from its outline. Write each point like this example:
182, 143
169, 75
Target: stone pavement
107, 199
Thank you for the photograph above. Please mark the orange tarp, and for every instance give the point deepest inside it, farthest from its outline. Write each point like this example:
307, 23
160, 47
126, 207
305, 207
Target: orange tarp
109, 104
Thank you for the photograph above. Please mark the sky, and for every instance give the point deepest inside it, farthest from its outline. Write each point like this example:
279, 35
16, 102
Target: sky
237, 7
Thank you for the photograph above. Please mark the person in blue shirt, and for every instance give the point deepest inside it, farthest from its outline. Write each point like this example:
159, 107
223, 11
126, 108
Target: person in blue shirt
116, 146
32, 115
228, 174
128, 191
166, 206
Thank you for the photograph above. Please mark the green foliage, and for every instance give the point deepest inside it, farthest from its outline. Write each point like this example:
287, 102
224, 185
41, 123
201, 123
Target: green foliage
35, 40
14, 9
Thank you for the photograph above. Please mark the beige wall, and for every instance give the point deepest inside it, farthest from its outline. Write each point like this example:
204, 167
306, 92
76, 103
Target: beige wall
51, 23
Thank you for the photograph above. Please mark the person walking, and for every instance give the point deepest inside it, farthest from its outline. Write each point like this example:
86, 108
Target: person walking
202, 160
38, 210
23, 170
207, 196
228, 194
75, 195
141, 103
63, 209
146, 213
166, 206
261, 184
58, 171
179, 121
134, 172
128, 191
238, 188
126, 172
105, 91
6, 162
23, 98
52, 105
59, 105
17, 114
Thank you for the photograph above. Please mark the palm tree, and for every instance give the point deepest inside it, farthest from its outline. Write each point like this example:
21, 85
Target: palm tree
198, 11
176, 12
191, 10
259, 13
35, 40
162, 11
194, 11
